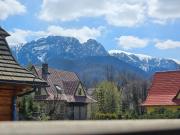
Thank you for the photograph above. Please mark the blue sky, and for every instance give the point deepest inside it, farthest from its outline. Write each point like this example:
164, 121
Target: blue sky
139, 26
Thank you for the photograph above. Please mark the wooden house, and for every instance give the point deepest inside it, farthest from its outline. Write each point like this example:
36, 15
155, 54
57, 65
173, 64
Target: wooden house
14, 80
66, 89
164, 92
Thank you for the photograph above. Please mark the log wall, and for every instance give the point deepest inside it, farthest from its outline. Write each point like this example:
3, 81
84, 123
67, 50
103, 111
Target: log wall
6, 105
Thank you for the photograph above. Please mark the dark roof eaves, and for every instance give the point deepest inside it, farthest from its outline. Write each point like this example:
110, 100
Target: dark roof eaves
23, 82
168, 71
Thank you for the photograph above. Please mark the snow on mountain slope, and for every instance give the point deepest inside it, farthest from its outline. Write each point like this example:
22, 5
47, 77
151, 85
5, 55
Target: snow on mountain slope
145, 62
45, 49
177, 61
54, 49
141, 56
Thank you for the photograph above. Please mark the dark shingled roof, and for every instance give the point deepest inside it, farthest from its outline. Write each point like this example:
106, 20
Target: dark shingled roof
67, 81
10, 70
3, 32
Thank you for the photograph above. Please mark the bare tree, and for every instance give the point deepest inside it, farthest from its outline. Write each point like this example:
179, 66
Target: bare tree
55, 108
109, 73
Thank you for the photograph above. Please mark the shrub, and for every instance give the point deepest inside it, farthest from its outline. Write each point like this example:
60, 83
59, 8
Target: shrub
106, 116
161, 113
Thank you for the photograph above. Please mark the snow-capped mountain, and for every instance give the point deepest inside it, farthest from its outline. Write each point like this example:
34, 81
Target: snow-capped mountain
89, 60
147, 63
45, 49
69, 54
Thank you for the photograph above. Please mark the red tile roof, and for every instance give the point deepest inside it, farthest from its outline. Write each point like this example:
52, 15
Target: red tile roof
164, 89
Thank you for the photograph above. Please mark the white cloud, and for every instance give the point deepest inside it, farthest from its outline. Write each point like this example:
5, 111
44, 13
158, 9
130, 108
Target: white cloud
130, 42
19, 36
116, 12
168, 44
83, 34
123, 13
69, 9
10, 7
164, 10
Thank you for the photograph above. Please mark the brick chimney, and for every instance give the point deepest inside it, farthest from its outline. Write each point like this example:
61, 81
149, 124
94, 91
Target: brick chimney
45, 71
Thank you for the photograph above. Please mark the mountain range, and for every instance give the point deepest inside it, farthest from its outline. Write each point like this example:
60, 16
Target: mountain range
146, 63
45, 49
90, 59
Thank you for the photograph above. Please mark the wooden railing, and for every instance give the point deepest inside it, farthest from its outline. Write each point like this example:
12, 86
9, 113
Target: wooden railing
127, 127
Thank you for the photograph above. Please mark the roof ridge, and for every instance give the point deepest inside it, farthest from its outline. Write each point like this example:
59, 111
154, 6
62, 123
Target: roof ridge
168, 71
13, 74
3, 32
54, 69
60, 70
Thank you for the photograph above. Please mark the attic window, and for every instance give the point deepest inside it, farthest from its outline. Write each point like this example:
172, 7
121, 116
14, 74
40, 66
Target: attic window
80, 91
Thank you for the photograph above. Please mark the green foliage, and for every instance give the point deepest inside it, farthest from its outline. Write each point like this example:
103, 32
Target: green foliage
106, 116
108, 100
161, 113
130, 114
31, 110
111, 101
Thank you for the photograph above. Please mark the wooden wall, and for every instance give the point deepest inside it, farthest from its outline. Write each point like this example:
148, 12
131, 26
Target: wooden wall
80, 112
77, 111
6, 105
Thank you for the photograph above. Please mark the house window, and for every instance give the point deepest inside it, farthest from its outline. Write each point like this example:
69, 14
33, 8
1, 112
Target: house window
40, 91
